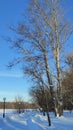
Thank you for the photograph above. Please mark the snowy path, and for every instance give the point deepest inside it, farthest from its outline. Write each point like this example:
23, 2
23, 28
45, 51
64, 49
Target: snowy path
32, 120
24, 121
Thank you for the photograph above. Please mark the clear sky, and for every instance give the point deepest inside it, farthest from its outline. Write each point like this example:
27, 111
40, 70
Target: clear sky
12, 82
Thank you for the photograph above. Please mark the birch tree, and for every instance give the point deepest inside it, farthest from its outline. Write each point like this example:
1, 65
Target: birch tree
40, 37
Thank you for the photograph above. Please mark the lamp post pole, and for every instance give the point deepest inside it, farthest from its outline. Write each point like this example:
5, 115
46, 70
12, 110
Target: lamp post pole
4, 107
19, 108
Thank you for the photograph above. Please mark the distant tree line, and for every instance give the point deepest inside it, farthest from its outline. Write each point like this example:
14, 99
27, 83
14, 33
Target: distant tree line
14, 105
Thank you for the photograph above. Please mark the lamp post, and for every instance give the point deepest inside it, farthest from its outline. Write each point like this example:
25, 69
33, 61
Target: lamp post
4, 107
19, 108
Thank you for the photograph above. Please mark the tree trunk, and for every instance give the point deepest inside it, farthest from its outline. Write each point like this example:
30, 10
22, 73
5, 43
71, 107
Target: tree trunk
43, 113
49, 121
57, 60
49, 79
59, 91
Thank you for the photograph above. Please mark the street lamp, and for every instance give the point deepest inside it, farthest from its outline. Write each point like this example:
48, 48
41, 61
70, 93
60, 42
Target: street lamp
4, 107
19, 108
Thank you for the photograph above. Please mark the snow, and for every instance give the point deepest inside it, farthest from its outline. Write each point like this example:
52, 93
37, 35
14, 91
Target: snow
34, 120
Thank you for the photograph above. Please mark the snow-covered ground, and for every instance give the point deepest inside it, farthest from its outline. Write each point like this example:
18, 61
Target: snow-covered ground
34, 120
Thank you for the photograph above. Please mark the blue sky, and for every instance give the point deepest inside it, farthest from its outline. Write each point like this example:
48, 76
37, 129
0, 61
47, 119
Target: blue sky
12, 82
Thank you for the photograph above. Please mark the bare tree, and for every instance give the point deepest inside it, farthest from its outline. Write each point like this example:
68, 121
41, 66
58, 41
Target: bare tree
67, 82
69, 60
40, 38
68, 90
41, 85
19, 104
41, 96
